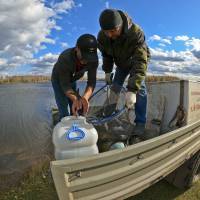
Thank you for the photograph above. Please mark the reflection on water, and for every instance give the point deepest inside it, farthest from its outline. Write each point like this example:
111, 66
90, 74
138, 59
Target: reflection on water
25, 128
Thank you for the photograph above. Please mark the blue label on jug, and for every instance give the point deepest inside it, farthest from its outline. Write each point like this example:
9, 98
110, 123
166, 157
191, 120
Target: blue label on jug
75, 133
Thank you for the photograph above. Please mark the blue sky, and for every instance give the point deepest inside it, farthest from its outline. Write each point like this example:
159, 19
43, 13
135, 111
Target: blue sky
34, 32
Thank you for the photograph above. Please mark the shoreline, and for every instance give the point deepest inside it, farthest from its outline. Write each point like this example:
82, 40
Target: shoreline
46, 79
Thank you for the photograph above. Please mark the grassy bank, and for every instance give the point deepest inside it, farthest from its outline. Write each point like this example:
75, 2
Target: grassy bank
43, 79
40, 186
165, 191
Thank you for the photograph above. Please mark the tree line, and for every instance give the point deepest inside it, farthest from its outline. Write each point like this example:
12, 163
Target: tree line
24, 79
42, 79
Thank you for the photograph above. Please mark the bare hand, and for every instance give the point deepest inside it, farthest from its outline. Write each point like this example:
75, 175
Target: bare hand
76, 106
85, 105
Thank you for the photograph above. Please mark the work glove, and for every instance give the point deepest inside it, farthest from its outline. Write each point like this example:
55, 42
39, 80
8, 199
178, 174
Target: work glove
130, 100
108, 78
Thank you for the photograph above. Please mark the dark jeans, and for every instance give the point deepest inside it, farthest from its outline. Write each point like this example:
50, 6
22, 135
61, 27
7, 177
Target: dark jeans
63, 102
141, 96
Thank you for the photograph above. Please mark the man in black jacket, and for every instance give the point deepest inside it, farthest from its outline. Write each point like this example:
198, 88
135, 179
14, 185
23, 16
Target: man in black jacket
71, 66
122, 42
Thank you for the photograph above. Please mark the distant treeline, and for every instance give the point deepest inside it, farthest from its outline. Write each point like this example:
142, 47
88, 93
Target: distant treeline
156, 78
24, 79
161, 78
41, 79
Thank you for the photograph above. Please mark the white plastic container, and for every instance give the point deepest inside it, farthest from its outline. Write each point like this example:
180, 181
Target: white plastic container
74, 137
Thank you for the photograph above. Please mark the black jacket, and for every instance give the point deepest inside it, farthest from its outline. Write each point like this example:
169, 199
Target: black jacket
65, 72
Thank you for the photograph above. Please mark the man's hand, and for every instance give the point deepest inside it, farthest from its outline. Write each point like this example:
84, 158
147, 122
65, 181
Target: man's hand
130, 100
108, 78
76, 106
85, 105
80, 105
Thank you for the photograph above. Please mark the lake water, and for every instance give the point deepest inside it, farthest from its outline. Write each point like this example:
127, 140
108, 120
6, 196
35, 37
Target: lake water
25, 128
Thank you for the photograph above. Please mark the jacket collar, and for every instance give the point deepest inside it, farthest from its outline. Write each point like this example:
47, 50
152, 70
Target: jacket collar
127, 23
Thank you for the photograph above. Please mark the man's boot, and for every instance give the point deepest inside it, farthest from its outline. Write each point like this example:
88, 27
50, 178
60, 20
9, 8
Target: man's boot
139, 129
137, 134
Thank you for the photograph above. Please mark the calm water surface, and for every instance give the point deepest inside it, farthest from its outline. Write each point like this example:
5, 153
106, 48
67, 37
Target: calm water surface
25, 128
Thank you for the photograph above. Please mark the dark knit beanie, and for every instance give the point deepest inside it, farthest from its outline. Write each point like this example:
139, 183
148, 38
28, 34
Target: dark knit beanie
110, 19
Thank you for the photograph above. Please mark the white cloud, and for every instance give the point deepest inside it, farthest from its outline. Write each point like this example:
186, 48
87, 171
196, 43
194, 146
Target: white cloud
182, 38
3, 61
49, 40
64, 44
44, 64
58, 28
79, 5
174, 63
161, 55
166, 40
155, 38
162, 45
166, 62
25, 28
64, 6
194, 43
107, 4
196, 54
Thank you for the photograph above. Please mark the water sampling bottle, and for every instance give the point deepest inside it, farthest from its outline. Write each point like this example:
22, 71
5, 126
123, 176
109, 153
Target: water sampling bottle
73, 137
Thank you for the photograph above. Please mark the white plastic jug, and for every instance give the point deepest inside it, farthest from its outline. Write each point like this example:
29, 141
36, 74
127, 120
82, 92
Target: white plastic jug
74, 137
